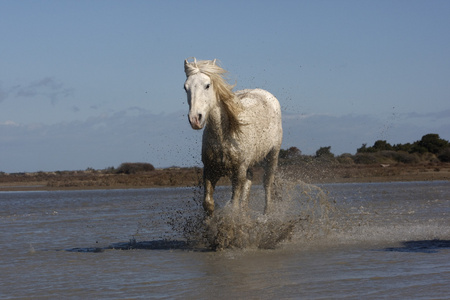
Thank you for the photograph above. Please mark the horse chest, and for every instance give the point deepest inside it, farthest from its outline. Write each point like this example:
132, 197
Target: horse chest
218, 155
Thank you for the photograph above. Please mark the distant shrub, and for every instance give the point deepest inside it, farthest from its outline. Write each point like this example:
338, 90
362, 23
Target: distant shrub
345, 159
432, 143
365, 158
403, 147
291, 153
133, 168
109, 170
379, 145
429, 157
387, 156
444, 156
406, 158
324, 152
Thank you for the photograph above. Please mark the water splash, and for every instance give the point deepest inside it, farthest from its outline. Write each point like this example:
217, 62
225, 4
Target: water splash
299, 208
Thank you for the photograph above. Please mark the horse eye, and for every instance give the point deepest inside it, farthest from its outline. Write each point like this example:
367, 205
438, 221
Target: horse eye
207, 86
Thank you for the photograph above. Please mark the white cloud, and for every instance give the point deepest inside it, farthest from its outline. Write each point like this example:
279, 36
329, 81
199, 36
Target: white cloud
46, 87
9, 123
443, 114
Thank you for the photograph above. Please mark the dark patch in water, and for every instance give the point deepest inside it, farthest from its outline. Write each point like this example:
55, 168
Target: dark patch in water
424, 246
87, 250
152, 245
143, 245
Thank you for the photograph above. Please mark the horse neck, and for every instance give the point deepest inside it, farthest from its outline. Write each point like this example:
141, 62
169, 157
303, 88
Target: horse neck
218, 122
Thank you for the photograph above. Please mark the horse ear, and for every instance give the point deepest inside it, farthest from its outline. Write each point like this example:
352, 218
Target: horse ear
186, 61
214, 62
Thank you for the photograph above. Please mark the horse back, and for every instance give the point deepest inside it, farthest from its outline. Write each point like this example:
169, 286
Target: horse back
251, 98
261, 121
259, 104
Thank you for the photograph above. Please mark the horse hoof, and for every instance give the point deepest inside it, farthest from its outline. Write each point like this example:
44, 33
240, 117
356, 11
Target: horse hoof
209, 209
267, 211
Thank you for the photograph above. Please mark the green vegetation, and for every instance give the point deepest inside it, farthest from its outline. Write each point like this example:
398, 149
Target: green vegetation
430, 149
134, 168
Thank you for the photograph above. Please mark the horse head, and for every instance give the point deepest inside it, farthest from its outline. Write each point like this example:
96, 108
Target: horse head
200, 94
207, 88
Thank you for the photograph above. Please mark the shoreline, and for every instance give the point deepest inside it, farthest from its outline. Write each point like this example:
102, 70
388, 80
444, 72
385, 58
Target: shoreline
191, 177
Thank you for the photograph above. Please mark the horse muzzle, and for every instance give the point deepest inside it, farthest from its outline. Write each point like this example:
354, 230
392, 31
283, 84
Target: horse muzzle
197, 121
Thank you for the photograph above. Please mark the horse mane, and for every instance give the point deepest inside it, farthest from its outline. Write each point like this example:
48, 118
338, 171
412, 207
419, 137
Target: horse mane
224, 90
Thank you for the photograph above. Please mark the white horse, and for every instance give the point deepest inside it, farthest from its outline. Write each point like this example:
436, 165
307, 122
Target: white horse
241, 129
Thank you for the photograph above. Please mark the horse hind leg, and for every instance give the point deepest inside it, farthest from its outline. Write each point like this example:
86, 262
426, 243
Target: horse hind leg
246, 190
269, 176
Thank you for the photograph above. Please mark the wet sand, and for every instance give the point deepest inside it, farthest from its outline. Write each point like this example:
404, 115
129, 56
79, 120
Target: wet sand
185, 177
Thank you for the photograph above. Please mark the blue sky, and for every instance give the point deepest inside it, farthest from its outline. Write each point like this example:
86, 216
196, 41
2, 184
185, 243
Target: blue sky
97, 83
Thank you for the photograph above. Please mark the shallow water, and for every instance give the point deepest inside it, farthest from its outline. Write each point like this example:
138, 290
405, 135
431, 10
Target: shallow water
381, 240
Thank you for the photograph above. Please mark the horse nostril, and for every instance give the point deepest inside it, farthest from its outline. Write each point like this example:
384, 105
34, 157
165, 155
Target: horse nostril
199, 117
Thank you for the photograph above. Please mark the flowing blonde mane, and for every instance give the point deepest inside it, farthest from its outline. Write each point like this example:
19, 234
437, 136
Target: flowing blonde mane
224, 90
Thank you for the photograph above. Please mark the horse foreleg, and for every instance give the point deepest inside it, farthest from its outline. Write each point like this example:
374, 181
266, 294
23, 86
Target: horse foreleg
269, 176
208, 200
